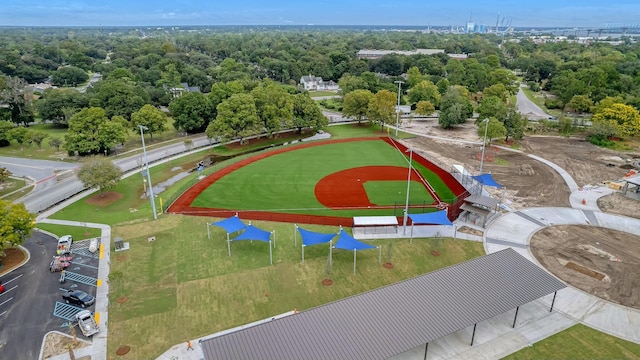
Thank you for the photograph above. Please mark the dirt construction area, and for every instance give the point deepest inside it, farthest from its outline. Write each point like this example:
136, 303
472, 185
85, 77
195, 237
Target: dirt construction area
600, 261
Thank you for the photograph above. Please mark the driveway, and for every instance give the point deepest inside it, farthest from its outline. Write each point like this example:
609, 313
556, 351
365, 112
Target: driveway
528, 108
26, 308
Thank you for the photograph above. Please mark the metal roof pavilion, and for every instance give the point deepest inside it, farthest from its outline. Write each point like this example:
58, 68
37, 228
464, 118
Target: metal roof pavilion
381, 323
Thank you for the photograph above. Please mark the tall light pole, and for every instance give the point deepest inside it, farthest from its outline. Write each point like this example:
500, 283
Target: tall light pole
146, 162
398, 106
406, 204
484, 142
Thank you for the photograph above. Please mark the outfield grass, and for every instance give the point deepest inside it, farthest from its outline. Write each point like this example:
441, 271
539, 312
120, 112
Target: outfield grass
286, 182
579, 342
183, 285
389, 192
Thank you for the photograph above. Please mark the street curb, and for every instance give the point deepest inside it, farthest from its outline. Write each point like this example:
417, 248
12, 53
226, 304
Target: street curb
61, 333
16, 267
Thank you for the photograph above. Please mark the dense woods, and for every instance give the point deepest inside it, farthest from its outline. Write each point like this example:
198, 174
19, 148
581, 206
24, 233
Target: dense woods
235, 82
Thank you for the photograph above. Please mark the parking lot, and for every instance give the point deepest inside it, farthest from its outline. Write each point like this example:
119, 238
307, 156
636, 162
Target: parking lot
32, 303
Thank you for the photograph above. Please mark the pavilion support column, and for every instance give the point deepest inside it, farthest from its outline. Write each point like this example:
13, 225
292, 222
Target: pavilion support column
473, 335
553, 301
515, 318
426, 347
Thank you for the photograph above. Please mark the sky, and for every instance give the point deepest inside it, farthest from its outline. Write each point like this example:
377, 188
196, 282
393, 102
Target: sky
522, 13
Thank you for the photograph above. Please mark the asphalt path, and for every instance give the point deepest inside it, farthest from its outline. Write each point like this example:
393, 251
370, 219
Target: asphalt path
528, 108
26, 313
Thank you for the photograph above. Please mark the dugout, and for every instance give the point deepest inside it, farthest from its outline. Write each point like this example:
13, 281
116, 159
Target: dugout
375, 225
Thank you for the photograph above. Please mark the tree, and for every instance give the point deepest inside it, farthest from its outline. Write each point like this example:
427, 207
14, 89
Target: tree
237, 117
274, 107
451, 116
498, 90
15, 96
356, 104
425, 108
455, 72
5, 126
4, 174
492, 106
37, 137
59, 105
69, 76
605, 103
414, 77
579, 104
515, 124
101, 173
15, 224
306, 113
349, 83
455, 107
624, 118
91, 132
494, 129
152, 118
121, 97
424, 91
443, 85
506, 78
191, 112
19, 134
382, 107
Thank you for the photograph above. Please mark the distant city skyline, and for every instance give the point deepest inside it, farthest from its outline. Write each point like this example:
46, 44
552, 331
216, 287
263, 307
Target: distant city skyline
541, 13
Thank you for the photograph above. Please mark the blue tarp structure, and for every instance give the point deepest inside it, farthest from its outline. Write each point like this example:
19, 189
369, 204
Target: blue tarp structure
231, 224
313, 238
486, 179
253, 233
433, 218
347, 242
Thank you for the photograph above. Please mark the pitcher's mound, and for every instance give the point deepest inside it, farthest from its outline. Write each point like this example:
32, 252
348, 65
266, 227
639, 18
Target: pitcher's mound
107, 199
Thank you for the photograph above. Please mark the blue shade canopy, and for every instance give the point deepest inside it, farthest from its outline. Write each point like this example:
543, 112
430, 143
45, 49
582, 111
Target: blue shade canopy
313, 238
231, 224
254, 233
486, 179
434, 218
347, 242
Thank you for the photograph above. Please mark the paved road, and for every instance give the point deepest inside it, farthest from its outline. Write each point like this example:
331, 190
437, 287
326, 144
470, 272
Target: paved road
44, 197
528, 108
38, 170
28, 315
94, 78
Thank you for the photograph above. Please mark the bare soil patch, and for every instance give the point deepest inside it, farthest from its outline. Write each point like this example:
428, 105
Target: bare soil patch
602, 262
388, 265
107, 198
619, 204
327, 282
58, 344
123, 350
13, 257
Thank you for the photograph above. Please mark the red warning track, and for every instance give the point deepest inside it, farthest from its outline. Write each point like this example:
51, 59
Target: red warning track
339, 190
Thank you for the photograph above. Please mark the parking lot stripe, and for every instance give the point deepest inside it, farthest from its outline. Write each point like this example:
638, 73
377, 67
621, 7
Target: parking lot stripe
101, 251
6, 301
13, 288
97, 317
15, 278
4, 312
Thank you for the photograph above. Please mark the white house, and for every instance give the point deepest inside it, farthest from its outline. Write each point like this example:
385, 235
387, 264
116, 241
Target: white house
316, 83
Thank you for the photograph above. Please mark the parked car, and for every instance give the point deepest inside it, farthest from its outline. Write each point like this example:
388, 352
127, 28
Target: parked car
78, 297
1, 288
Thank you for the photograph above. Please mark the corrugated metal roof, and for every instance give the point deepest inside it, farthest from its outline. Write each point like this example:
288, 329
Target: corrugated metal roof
396, 318
481, 200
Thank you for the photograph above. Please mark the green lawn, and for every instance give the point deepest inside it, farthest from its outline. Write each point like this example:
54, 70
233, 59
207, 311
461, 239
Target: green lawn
285, 182
78, 233
579, 342
10, 185
323, 93
389, 192
183, 285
